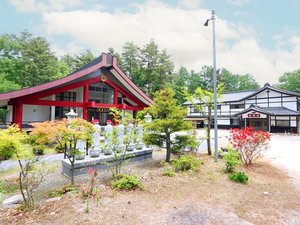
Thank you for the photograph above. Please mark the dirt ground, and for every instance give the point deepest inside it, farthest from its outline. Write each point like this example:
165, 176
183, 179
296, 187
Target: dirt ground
202, 197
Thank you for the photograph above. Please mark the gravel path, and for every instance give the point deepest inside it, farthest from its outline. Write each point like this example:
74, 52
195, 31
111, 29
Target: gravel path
9, 164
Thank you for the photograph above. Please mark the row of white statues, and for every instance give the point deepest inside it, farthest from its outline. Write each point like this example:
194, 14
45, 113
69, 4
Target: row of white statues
133, 135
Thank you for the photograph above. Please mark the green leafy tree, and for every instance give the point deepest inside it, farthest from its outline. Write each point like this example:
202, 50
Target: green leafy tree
131, 60
232, 82
168, 117
157, 68
203, 101
70, 63
7, 85
290, 81
27, 60
13, 144
235, 82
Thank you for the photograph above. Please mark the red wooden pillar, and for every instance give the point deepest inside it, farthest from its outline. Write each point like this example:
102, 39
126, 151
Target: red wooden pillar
85, 100
17, 115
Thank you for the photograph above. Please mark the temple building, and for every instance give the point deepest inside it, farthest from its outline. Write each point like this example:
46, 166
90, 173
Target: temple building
268, 108
90, 91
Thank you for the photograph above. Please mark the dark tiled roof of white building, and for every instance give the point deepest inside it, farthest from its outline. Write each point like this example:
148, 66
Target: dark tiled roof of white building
273, 111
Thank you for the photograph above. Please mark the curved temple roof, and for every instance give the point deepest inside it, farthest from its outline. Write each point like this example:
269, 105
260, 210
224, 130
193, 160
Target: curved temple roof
104, 61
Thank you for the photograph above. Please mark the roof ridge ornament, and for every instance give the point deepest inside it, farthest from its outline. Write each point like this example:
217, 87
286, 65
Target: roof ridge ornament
267, 85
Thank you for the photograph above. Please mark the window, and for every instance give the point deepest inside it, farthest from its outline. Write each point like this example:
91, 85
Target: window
193, 109
101, 93
237, 106
60, 112
283, 123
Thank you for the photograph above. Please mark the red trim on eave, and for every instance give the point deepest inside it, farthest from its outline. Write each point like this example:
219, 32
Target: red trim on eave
122, 91
42, 87
53, 103
136, 88
62, 89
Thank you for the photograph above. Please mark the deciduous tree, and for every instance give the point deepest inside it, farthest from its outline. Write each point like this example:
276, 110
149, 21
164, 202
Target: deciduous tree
290, 81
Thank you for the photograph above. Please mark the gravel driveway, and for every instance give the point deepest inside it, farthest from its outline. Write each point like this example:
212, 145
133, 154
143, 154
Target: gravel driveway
284, 151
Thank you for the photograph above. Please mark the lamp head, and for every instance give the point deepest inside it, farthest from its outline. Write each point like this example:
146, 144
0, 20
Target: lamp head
206, 23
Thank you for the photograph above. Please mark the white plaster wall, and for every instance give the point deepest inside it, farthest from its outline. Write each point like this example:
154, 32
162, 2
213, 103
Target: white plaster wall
262, 94
225, 108
262, 104
224, 121
35, 113
274, 94
9, 114
250, 101
274, 104
290, 105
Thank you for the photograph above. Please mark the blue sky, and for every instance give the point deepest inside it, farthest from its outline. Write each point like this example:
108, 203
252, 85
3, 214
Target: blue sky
260, 37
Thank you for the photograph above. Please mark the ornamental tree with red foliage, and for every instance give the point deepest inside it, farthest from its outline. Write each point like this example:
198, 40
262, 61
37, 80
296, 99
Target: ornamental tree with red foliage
249, 143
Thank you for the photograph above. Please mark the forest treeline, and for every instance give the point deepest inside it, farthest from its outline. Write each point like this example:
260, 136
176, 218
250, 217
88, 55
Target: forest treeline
27, 60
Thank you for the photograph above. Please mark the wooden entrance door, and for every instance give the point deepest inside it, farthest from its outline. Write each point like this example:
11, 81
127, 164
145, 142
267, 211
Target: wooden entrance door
258, 124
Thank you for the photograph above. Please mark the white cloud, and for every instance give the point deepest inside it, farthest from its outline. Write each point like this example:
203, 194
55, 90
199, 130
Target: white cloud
178, 29
238, 2
190, 4
41, 6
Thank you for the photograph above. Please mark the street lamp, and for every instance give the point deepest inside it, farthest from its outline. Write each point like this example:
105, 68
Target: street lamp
215, 81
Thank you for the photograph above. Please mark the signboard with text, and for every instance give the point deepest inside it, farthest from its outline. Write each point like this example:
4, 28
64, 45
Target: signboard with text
253, 115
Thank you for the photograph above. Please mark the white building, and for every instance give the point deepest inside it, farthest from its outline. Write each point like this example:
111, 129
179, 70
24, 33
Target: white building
268, 108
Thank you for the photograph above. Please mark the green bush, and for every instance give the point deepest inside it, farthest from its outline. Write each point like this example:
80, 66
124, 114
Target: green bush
127, 182
59, 149
183, 141
168, 171
185, 163
231, 160
61, 191
38, 149
153, 139
6, 150
239, 177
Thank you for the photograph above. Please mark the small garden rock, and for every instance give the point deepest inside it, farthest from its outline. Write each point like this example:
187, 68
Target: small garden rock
15, 199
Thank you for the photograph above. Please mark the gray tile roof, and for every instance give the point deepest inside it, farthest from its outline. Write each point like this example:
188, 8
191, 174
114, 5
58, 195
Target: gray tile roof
238, 96
273, 111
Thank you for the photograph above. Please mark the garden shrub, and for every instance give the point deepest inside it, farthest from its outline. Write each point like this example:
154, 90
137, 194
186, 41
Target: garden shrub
232, 160
62, 190
249, 143
168, 171
185, 163
59, 148
127, 182
38, 149
239, 177
183, 141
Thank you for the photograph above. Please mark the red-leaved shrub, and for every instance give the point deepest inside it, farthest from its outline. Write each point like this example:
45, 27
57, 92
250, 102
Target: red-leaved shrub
249, 143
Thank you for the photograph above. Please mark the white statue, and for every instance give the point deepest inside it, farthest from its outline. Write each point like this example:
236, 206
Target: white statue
120, 137
81, 146
108, 131
130, 135
139, 137
95, 151
139, 133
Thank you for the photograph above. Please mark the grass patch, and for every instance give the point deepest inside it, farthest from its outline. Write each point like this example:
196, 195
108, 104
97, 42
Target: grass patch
9, 186
127, 182
186, 163
62, 191
239, 177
